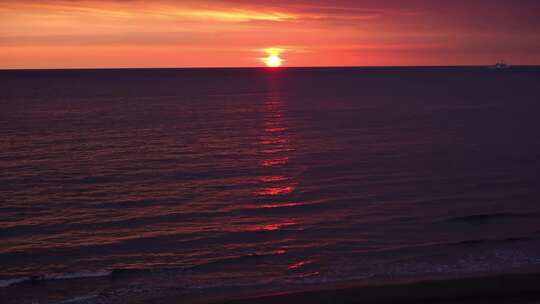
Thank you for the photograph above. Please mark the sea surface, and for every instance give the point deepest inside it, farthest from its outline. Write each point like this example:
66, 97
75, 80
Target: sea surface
209, 184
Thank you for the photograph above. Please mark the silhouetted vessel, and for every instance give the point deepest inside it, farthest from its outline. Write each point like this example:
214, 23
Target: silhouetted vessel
500, 65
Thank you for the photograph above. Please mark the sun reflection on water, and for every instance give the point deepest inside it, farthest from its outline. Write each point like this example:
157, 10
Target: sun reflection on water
277, 182
275, 146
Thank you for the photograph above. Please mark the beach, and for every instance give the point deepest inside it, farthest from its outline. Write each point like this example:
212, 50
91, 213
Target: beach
510, 288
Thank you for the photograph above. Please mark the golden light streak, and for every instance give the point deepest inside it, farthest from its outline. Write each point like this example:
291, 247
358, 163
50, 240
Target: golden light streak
234, 15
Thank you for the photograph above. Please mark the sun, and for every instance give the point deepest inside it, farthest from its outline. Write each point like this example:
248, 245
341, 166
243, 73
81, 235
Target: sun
273, 60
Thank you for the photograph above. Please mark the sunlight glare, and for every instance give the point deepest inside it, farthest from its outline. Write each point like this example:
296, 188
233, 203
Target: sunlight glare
273, 59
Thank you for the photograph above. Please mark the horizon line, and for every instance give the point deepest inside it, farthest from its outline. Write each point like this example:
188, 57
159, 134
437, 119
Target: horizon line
261, 67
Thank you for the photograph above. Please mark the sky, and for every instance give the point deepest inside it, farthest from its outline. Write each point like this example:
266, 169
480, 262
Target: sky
236, 33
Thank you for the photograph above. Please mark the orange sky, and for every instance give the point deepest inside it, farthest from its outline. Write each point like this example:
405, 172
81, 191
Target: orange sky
213, 33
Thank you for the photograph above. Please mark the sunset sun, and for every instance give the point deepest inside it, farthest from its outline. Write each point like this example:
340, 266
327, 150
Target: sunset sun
273, 60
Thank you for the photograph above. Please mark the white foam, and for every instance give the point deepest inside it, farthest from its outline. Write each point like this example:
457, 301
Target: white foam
9, 282
77, 275
59, 276
80, 298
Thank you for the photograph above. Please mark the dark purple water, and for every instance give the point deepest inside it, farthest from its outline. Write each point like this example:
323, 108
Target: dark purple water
208, 183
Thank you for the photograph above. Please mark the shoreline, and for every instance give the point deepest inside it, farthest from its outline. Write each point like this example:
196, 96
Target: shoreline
516, 287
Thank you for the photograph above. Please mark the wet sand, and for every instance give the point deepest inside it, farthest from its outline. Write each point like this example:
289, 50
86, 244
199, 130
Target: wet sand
508, 288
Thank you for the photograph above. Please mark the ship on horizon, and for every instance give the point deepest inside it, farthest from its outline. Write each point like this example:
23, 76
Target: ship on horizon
500, 65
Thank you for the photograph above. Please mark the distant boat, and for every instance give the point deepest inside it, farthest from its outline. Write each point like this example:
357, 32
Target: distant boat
500, 65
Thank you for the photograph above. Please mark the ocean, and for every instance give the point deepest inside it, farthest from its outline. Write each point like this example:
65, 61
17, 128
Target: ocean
119, 186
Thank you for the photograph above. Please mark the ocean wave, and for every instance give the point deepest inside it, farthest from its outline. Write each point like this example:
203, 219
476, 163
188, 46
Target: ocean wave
9, 282
36, 279
80, 298
78, 275
484, 217
433, 246
487, 241
143, 217
231, 260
